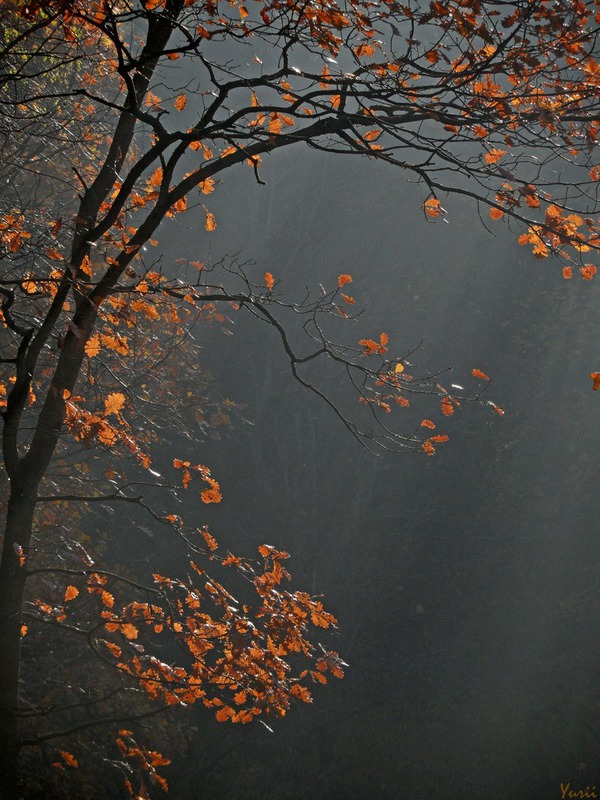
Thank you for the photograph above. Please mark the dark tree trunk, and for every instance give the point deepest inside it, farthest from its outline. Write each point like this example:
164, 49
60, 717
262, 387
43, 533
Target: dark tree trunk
19, 520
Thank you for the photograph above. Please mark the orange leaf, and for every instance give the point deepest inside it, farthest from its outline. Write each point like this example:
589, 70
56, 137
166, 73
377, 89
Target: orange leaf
477, 373
129, 631
369, 345
343, 279
595, 376
428, 447
86, 266
156, 178
69, 759
71, 593
427, 423
212, 495
210, 540
114, 403
92, 347
494, 155
588, 271
364, 50
54, 254
207, 186
369, 136
180, 102
210, 224
178, 206
567, 273
433, 207
269, 281
116, 343
447, 407
496, 213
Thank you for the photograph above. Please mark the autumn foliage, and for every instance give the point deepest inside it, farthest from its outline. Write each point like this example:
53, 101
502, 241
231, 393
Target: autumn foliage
106, 140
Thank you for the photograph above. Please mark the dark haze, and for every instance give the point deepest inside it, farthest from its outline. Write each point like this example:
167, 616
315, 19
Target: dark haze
466, 584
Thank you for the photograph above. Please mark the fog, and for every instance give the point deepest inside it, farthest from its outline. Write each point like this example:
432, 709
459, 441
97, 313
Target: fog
465, 584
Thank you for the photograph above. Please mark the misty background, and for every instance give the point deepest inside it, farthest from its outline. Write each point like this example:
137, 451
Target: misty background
466, 584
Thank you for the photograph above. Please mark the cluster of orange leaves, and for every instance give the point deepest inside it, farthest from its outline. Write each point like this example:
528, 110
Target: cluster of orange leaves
247, 659
210, 495
560, 231
87, 426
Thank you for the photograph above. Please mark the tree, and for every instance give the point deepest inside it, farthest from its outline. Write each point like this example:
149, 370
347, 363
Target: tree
142, 106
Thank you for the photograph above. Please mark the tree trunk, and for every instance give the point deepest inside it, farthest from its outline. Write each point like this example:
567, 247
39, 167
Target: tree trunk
19, 520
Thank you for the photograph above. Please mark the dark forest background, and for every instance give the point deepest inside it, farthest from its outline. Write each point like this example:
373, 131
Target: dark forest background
465, 585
